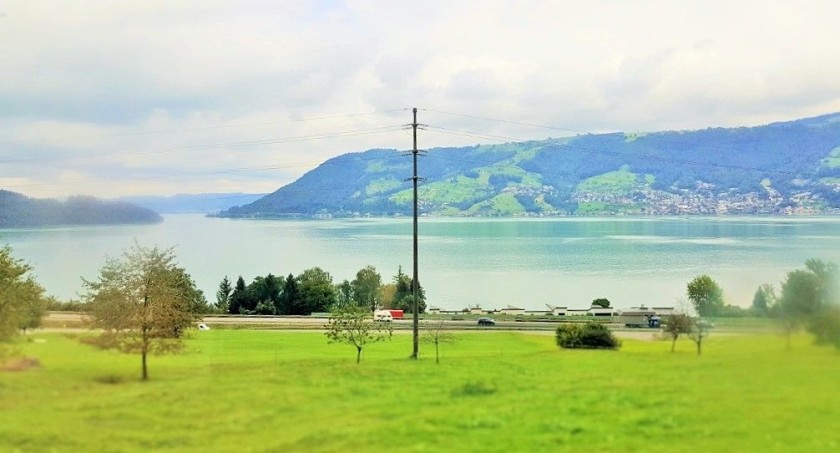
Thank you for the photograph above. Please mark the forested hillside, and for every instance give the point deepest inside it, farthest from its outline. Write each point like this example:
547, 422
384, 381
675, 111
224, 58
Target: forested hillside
780, 168
17, 210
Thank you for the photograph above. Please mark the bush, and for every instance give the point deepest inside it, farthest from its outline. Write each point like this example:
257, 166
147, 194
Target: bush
591, 335
265, 308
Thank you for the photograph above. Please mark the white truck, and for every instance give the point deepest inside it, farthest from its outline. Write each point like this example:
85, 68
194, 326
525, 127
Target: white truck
383, 316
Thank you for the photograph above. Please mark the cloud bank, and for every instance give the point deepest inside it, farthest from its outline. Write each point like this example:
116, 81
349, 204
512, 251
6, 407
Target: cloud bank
160, 97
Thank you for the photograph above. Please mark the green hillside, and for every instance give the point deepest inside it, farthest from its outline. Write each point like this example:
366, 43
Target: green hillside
781, 168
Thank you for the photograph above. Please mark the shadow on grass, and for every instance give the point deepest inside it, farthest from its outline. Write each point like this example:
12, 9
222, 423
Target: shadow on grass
111, 379
474, 389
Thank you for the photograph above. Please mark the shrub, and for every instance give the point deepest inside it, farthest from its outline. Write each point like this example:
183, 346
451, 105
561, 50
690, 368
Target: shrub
591, 335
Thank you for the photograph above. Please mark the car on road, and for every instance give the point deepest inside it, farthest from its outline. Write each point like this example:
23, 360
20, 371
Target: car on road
486, 322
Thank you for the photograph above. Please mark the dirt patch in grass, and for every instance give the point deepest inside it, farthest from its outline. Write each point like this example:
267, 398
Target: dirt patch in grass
20, 364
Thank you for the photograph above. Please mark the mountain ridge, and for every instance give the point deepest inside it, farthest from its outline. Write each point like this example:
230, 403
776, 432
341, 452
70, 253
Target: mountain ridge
18, 210
779, 168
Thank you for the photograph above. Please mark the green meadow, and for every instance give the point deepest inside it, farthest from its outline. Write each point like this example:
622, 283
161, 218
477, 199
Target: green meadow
239, 390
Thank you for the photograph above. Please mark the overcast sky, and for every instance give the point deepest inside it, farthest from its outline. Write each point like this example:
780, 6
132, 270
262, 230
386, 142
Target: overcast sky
161, 97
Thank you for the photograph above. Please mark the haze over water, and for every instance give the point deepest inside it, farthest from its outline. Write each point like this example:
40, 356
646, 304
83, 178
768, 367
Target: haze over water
522, 262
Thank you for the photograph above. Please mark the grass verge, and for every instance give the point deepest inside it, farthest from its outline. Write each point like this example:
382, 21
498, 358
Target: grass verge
493, 391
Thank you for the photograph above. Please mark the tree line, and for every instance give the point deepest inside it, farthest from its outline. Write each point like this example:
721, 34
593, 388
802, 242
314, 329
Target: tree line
807, 299
313, 291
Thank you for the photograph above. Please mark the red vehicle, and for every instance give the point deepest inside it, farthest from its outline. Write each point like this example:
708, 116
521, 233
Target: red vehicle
396, 314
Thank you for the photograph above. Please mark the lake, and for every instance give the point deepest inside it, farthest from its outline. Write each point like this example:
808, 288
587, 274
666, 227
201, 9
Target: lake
491, 262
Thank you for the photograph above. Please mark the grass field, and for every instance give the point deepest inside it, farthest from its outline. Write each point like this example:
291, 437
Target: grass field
239, 390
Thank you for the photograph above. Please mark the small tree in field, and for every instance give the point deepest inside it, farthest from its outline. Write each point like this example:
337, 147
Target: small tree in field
699, 330
706, 295
143, 302
810, 298
677, 325
435, 332
355, 326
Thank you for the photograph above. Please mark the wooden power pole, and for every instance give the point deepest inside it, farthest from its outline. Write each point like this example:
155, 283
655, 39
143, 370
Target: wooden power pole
415, 282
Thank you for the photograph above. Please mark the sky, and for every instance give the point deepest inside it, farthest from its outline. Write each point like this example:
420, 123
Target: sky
158, 97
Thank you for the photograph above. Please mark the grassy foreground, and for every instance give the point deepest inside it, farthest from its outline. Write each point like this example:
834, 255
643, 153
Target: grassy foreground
493, 391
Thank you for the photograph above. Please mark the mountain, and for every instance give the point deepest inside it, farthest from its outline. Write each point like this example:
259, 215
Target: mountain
17, 210
785, 167
192, 203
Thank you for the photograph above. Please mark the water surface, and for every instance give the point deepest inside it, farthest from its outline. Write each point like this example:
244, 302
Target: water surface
494, 263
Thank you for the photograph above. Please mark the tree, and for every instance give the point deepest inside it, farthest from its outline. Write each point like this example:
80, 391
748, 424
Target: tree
829, 277
195, 296
402, 286
344, 294
764, 298
801, 297
808, 297
22, 301
435, 332
826, 327
223, 295
799, 302
317, 292
699, 330
366, 288
404, 294
389, 292
265, 292
142, 302
677, 325
706, 295
36, 308
601, 302
354, 325
290, 301
239, 297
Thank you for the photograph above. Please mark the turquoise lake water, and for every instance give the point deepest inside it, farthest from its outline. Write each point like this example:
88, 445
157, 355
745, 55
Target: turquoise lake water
521, 262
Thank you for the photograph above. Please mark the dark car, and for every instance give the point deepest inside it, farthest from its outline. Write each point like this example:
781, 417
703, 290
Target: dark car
486, 322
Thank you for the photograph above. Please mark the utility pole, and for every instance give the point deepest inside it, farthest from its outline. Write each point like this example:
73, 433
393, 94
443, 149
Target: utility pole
415, 282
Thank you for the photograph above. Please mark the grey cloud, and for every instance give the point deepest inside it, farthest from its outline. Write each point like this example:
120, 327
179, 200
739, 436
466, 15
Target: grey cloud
159, 65
476, 85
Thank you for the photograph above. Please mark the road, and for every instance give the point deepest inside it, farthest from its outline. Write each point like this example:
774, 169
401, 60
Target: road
74, 321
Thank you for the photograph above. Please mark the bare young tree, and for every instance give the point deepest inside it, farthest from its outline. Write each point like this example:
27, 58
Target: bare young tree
676, 325
435, 332
354, 325
143, 302
699, 330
